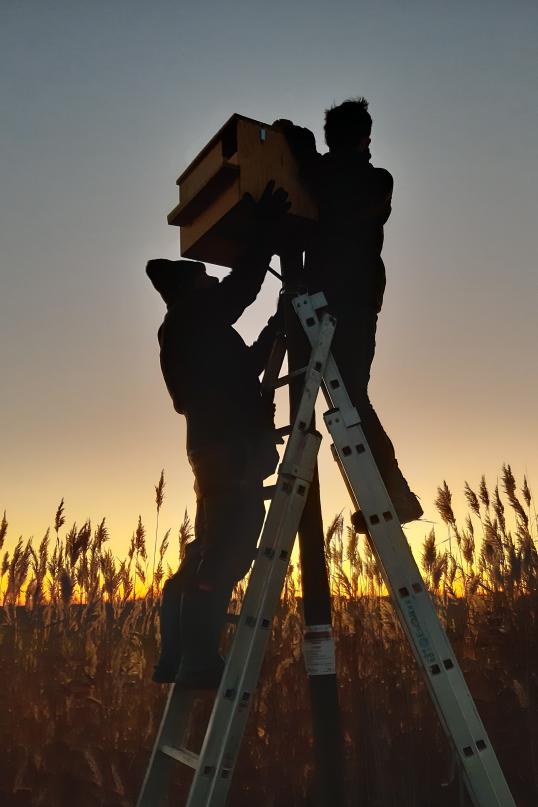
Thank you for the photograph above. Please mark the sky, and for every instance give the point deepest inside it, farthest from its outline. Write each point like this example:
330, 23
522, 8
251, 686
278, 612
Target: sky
105, 104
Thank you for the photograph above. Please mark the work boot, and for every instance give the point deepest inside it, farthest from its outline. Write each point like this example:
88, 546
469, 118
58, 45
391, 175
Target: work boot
407, 506
166, 668
405, 502
203, 614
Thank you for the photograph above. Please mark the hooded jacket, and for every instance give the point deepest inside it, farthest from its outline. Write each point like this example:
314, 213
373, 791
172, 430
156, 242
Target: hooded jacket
211, 374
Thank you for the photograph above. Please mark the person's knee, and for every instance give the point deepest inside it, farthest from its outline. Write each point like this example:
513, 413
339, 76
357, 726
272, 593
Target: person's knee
219, 471
175, 584
171, 589
257, 512
239, 568
214, 573
233, 527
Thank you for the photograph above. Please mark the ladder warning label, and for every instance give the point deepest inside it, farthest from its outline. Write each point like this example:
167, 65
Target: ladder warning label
318, 650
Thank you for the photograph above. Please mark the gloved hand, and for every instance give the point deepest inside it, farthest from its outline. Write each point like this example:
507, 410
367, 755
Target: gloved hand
269, 211
282, 124
272, 204
300, 139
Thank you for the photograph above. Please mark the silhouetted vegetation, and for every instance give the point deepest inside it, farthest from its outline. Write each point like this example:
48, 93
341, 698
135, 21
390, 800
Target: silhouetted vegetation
79, 639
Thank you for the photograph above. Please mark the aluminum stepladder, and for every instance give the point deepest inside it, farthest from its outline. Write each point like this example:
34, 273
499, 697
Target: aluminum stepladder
481, 771
214, 764
438, 665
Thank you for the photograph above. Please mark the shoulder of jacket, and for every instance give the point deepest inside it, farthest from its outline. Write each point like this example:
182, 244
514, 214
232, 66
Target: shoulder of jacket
170, 322
383, 176
160, 333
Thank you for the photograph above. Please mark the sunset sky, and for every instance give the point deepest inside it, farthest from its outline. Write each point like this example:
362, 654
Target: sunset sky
104, 105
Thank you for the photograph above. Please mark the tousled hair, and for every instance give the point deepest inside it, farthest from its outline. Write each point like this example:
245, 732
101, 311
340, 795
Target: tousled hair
347, 123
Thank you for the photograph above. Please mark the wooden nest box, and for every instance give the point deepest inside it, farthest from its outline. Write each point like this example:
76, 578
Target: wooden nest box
241, 158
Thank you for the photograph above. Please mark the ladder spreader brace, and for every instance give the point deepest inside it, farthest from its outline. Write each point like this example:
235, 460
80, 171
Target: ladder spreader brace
214, 764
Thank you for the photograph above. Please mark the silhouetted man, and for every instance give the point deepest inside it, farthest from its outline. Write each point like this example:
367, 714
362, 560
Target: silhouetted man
344, 261
213, 379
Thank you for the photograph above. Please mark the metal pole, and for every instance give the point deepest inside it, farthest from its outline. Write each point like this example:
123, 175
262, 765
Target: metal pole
327, 733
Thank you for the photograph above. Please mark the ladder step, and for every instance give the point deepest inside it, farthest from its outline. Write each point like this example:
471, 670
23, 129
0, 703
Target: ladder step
283, 431
269, 491
285, 379
181, 755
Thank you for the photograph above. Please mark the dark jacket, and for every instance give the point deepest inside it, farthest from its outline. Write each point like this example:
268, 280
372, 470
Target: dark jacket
354, 200
210, 373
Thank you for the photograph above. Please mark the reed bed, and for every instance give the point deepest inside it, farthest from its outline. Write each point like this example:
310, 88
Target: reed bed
79, 637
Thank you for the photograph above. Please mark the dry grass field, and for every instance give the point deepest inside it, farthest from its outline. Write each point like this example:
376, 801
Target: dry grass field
79, 638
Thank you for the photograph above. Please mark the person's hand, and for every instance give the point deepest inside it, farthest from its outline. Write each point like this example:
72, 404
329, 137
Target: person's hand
282, 124
300, 139
273, 204
271, 207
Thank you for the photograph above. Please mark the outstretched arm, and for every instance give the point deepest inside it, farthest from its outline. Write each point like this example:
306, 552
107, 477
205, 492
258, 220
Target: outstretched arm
240, 288
260, 350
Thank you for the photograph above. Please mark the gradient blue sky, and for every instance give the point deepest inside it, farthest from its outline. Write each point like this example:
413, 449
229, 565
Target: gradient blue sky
104, 104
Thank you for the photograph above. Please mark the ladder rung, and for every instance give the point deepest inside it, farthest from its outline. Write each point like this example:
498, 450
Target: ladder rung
233, 618
282, 431
181, 755
285, 379
269, 491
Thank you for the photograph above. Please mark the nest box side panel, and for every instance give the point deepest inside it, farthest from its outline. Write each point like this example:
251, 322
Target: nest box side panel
202, 239
200, 174
264, 154
243, 156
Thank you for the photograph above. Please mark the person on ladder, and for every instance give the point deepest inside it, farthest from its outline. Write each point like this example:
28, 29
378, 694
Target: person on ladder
213, 379
344, 261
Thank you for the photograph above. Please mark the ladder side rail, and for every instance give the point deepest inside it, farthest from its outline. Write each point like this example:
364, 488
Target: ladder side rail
313, 379
306, 307
227, 721
416, 611
293, 461
293, 465
226, 727
171, 732
417, 615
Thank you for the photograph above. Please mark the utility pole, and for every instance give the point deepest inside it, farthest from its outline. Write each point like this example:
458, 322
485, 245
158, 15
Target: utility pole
327, 733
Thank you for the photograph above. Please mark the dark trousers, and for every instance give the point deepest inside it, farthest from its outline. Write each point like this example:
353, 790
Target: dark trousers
229, 516
353, 349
